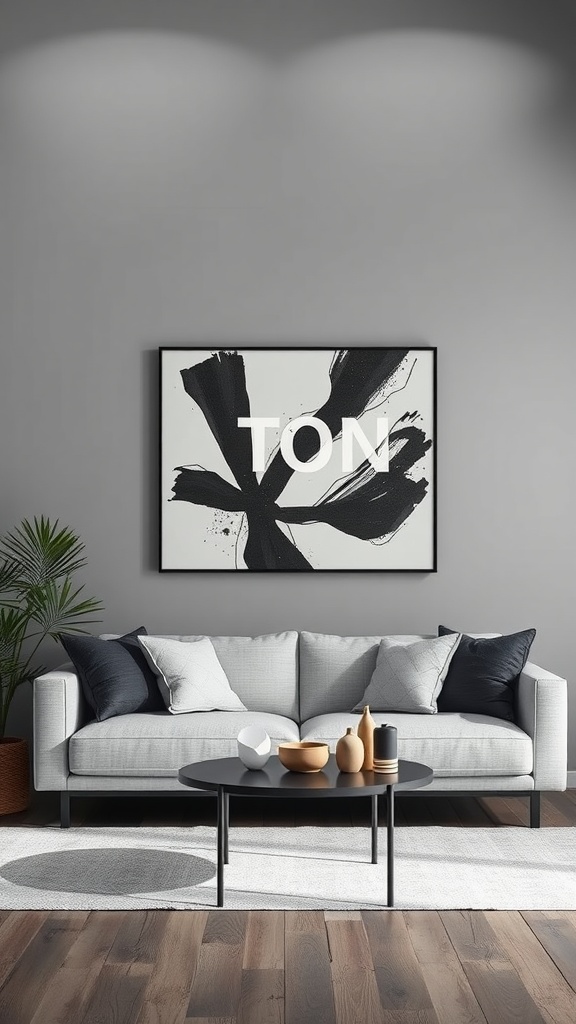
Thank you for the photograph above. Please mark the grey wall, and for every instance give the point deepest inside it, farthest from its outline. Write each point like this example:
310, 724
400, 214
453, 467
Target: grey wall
328, 172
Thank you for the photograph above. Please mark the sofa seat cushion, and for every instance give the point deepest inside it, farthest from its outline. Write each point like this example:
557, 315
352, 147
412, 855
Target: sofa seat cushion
452, 743
159, 744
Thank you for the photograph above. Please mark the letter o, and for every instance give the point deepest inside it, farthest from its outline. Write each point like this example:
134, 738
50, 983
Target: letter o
287, 444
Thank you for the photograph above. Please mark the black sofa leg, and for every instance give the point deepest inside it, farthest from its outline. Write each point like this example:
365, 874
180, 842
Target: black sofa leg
535, 809
64, 810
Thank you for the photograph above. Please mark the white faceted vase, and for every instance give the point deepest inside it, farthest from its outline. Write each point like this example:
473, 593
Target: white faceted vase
254, 747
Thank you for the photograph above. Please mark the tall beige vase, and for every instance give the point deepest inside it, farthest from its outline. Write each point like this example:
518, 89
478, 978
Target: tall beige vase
366, 733
350, 752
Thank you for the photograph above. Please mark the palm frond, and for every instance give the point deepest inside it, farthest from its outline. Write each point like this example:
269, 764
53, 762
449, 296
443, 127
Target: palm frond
38, 559
55, 606
39, 551
8, 578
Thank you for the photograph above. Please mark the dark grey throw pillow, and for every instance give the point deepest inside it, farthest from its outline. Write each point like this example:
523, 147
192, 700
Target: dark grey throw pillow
115, 677
484, 672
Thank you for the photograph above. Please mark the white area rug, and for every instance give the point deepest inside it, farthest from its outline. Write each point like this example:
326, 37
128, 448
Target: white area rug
287, 868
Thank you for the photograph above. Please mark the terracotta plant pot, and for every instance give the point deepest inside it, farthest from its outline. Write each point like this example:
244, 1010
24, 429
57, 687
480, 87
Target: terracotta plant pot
14, 775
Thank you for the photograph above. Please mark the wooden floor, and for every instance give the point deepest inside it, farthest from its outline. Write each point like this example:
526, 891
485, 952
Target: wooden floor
237, 967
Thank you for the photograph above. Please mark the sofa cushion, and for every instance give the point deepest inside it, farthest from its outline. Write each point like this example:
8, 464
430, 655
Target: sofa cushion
452, 744
335, 671
190, 677
483, 674
262, 670
409, 675
160, 744
114, 675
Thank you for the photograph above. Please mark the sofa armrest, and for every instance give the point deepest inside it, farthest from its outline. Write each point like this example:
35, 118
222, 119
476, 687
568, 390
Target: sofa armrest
59, 710
542, 713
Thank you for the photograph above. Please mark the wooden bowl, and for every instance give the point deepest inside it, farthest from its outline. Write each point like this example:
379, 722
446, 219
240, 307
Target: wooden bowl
305, 756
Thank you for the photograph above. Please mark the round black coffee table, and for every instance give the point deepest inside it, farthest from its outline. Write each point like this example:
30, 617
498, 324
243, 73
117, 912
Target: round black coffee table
228, 775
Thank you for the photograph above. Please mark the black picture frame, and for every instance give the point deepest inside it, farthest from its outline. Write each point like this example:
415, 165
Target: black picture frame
169, 462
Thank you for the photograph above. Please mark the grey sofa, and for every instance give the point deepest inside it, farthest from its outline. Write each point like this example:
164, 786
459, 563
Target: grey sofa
297, 686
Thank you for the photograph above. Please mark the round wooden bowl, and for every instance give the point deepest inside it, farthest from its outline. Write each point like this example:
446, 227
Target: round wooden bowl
305, 756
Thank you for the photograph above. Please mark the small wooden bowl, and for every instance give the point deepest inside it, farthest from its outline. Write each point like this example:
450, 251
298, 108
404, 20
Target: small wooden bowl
305, 756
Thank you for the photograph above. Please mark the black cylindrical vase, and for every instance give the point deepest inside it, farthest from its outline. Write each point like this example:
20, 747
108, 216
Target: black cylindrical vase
385, 748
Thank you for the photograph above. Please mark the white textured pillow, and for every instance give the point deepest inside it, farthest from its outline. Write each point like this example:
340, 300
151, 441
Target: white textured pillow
190, 677
408, 675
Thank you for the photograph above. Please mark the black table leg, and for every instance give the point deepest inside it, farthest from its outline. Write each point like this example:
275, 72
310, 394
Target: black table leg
390, 842
221, 843
226, 824
375, 829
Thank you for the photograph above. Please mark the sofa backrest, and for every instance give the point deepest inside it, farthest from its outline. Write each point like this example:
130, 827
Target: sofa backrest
335, 670
262, 670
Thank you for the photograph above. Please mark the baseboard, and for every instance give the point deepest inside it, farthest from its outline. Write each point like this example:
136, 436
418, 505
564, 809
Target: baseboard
571, 783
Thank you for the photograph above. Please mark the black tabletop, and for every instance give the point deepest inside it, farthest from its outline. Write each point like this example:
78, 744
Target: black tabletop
275, 780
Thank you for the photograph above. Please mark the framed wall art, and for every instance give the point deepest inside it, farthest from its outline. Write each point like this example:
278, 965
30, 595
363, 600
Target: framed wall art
298, 459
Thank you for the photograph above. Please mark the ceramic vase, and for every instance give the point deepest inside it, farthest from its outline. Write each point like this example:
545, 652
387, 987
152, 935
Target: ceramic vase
350, 752
366, 734
254, 747
386, 749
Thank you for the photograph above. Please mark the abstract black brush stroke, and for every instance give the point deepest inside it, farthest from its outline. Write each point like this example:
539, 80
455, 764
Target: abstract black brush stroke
357, 376
366, 504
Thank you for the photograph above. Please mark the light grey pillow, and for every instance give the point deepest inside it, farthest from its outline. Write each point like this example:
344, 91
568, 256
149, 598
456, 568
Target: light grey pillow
190, 677
408, 675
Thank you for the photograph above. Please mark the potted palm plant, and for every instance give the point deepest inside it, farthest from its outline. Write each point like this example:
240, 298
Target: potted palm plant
38, 600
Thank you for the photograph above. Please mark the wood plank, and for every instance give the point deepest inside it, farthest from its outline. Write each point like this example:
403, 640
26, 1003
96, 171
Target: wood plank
304, 921
227, 926
210, 1020
217, 983
262, 997
139, 937
67, 996
425, 1016
16, 933
504, 812
356, 996
308, 984
94, 942
471, 935
452, 997
556, 811
117, 995
71, 987
429, 937
538, 973
500, 993
73, 920
168, 990
443, 811
348, 943
33, 970
558, 937
398, 974
416, 812
470, 812
264, 942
